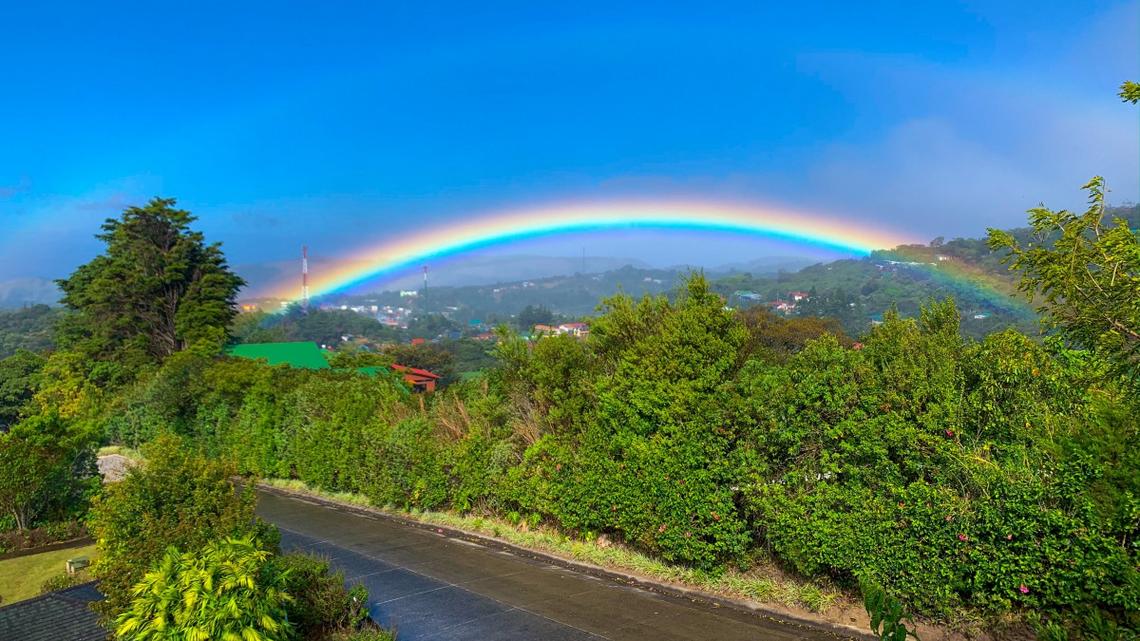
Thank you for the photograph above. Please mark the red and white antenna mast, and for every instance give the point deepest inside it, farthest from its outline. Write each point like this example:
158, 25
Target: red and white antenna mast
304, 276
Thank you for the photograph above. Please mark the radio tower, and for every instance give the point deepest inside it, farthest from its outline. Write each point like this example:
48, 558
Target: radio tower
304, 277
424, 292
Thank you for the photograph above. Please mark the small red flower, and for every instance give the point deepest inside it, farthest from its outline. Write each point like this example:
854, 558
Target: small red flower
949, 433
963, 537
1024, 589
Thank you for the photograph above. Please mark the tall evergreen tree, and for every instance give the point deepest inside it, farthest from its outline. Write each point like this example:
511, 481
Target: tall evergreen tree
157, 289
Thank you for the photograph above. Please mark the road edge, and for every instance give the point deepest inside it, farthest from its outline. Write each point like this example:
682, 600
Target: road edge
641, 582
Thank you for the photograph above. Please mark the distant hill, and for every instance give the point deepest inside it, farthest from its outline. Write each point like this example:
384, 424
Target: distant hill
457, 272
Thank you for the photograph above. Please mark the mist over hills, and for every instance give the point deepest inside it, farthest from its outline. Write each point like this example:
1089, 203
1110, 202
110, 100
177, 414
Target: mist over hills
474, 270
22, 292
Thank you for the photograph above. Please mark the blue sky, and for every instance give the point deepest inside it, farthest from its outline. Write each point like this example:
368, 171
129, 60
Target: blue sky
341, 124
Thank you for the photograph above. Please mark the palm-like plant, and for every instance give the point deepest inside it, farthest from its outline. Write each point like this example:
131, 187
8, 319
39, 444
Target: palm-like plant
226, 592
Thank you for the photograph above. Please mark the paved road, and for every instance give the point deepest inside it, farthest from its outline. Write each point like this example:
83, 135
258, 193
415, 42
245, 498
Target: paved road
429, 586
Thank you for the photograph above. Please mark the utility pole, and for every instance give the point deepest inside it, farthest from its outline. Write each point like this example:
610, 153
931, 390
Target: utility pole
305, 277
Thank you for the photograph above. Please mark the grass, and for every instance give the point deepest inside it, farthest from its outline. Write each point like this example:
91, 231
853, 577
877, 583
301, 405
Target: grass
21, 578
763, 582
121, 450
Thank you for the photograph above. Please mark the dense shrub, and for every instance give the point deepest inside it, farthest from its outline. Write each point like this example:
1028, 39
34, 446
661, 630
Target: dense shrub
177, 498
228, 589
46, 534
47, 470
321, 605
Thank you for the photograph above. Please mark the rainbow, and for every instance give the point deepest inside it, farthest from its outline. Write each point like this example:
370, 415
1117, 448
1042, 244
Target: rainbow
400, 254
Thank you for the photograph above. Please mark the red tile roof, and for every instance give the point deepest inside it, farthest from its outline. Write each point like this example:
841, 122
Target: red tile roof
414, 370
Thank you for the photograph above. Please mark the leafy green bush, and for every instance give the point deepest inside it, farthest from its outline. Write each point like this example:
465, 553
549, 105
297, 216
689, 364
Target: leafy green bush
178, 498
228, 589
47, 469
321, 603
65, 580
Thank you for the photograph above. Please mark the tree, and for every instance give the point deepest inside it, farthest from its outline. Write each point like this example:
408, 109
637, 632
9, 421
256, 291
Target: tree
177, 498
157, 289
45, 463
1130, 92
18, 380
1087, 275
430, 357
228, 590
533, 315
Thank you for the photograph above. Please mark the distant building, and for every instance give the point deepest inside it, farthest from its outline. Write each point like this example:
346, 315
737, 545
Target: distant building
577, 330
421, 380
782, 306
545, 330
798, 296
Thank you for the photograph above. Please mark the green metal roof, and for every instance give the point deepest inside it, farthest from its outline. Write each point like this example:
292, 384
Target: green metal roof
304, 354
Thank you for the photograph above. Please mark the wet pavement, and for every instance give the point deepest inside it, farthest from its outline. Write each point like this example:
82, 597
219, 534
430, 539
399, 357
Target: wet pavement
429, 586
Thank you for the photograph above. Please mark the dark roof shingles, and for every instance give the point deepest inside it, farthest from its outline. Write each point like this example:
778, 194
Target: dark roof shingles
55, 616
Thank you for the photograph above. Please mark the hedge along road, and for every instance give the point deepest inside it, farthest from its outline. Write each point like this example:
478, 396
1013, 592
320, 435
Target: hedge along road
427, 585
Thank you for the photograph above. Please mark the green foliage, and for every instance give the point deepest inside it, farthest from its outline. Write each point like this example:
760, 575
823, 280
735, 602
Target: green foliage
28, 328
158, 289
770, 336
1087, 275
228, 589
886, 614
322, 326
64, 580
430, 357
1130, 92
321, 605
178, 498
19, 378
532, 315
47, 469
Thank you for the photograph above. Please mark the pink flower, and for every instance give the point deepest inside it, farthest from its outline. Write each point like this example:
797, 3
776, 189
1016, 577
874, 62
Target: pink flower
949, 433
962, 537
1008, 537
1024, 589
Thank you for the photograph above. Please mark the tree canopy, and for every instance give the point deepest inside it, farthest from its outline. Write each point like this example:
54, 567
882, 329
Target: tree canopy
157, 289
1087, 275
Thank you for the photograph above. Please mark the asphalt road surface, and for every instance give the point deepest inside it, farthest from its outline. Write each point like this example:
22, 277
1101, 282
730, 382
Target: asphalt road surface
429, 586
